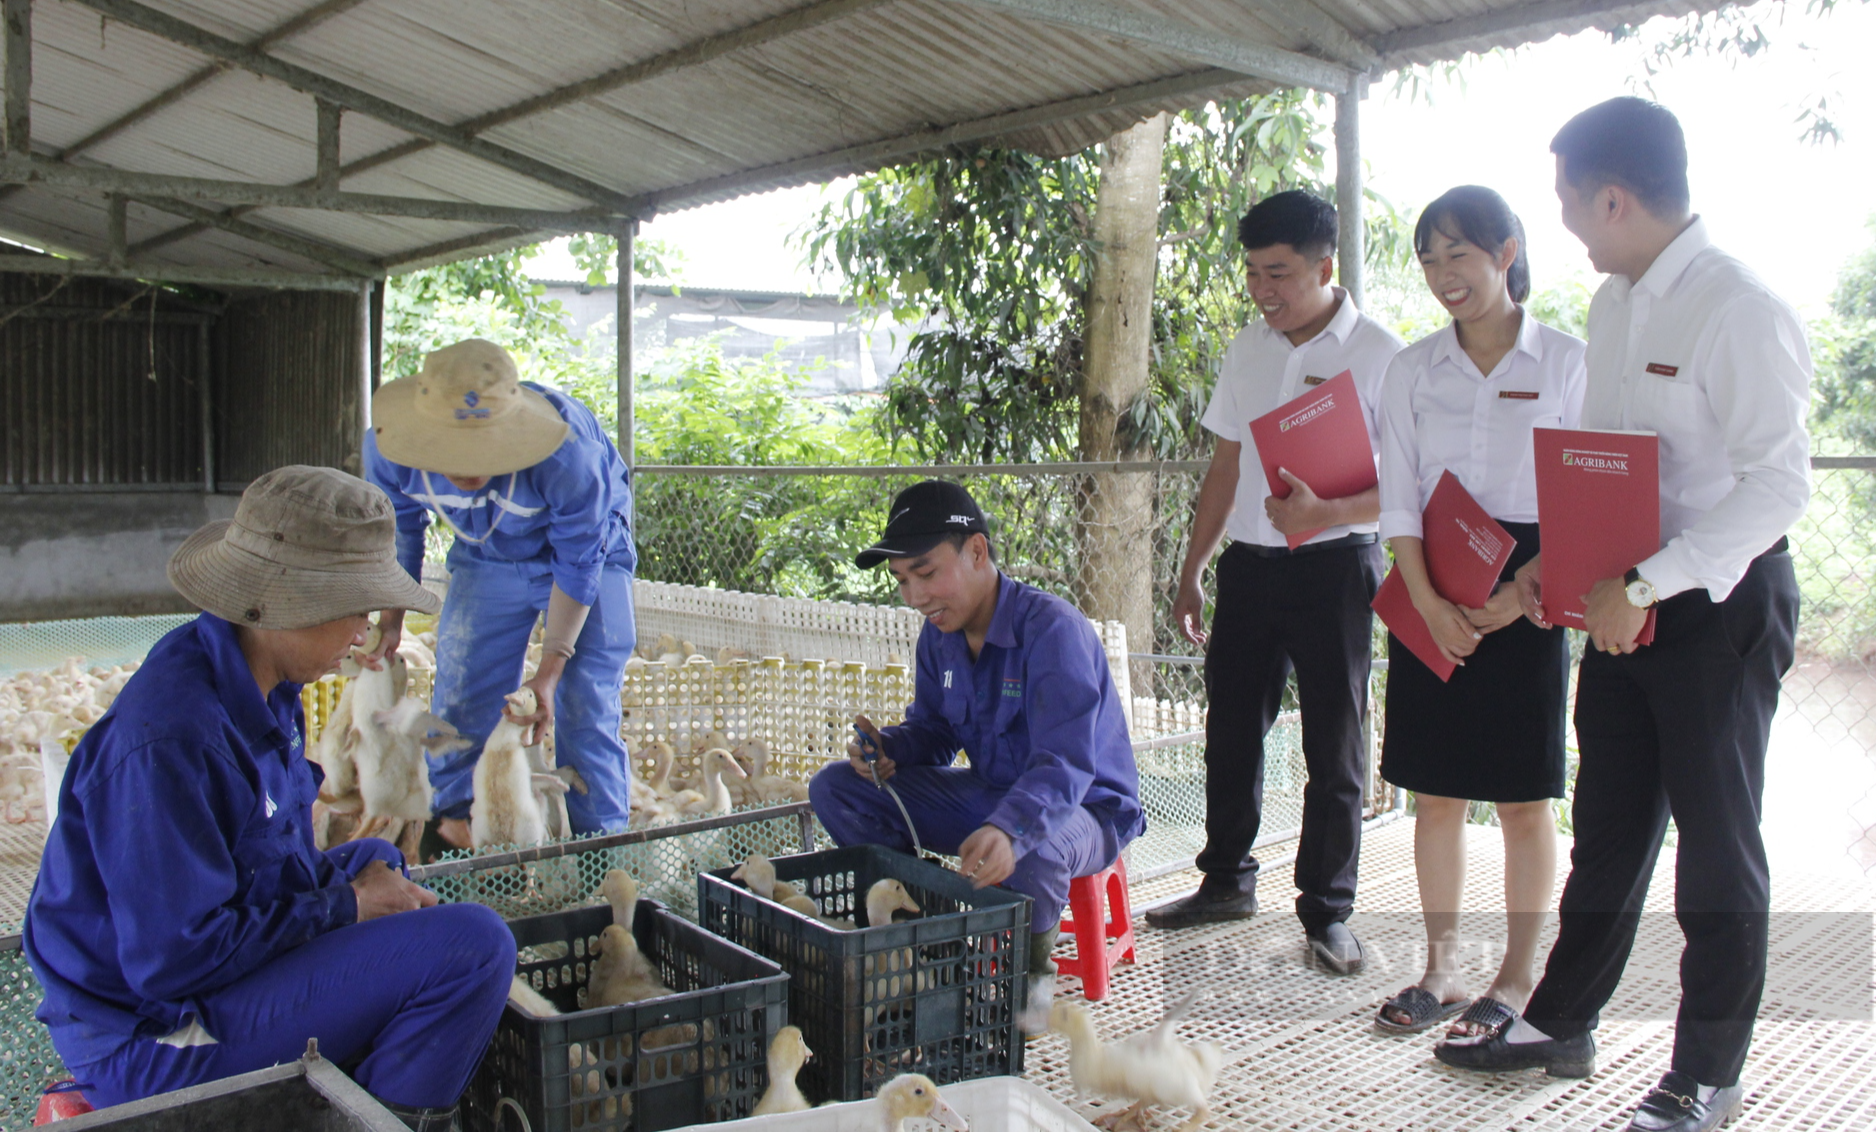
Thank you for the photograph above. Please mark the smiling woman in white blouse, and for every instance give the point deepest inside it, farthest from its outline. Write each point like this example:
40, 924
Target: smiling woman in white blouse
1465, 400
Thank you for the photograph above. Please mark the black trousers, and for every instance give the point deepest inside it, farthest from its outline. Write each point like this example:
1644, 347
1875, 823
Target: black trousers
1679, 727
1308, 613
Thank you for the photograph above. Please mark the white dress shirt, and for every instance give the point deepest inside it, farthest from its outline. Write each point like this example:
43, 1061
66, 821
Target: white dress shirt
1262, 370
1702, 353
1440, 414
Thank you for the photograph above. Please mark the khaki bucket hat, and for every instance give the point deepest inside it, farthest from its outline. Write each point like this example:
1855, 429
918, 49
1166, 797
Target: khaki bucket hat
465, 414
306, 546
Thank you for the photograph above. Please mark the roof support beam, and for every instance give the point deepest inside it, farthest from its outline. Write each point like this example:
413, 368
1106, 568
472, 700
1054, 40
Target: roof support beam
19, 78
1228, 52
690, 55
680, 58
1305, 19
887, 150
447, 251
326, 254
1439, 37
101, 179
133, 14
200, 276
326, 148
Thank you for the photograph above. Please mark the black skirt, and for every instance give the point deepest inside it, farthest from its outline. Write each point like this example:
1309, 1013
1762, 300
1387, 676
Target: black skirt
1494, 732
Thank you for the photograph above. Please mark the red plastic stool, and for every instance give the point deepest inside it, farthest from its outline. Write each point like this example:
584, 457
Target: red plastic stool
1103, 938
61, 1101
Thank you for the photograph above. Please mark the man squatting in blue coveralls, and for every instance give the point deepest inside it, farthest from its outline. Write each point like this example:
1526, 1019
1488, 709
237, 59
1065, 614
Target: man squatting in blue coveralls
183, 925
1018, 680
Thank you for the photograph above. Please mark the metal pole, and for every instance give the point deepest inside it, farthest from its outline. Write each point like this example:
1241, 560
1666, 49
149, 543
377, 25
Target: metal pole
19, 78
1348, 186
627, 419
205, 400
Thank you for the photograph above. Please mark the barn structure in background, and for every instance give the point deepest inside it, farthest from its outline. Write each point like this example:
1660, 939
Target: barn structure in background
223, 186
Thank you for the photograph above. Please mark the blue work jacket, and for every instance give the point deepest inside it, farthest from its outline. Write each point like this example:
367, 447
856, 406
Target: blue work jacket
1036, 713
571, 510
183, 855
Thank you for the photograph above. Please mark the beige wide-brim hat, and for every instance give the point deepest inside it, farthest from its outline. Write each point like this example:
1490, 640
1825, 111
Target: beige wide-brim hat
306, 546
465, 414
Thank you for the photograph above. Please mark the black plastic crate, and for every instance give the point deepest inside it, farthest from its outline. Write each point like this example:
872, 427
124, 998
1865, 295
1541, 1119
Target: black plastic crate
697, 1056
937, 994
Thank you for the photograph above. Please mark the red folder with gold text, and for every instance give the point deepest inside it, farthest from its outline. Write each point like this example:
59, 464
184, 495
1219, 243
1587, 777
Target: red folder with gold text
1320, 438
1598, 514
1465, 551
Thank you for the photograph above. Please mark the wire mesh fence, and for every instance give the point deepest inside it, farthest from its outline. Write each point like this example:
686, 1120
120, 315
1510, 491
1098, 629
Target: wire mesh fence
1111, 538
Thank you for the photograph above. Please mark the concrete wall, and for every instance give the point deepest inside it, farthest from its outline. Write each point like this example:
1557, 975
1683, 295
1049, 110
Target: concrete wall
93, 554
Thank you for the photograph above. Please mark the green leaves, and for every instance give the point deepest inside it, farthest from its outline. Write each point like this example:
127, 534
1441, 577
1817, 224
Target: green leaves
986, 253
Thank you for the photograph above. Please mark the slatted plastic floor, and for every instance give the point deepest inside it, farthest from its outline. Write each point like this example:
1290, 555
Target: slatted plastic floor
1302, 1054
1301, 1051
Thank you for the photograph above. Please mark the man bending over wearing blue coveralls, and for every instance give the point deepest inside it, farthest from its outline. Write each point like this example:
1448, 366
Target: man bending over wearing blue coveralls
1017, 679
183, 924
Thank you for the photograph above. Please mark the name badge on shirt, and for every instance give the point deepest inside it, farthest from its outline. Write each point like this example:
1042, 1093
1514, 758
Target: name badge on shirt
1663, 370
1314, 380
1517, 395
1013, 686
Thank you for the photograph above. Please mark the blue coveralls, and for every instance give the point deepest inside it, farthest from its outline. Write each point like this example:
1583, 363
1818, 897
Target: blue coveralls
180, 883
1050, 763
564, 521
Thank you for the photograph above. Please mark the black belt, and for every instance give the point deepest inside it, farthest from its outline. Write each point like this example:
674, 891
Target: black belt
1262, 551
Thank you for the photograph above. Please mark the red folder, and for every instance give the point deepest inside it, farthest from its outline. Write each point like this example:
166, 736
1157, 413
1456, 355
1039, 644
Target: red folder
1465, 552
1320, 438
1598, 513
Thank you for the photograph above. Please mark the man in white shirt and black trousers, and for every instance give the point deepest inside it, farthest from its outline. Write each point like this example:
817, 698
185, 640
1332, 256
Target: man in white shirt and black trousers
1279, 609
1684, 341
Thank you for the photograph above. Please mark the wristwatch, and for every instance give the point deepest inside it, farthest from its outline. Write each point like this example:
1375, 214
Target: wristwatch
1639, 590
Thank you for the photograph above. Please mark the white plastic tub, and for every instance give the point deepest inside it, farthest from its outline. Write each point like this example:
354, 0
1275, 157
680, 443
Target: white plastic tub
990, 1104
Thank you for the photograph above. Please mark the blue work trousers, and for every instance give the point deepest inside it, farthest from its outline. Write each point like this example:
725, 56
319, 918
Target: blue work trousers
948, 804
482, 642
406, 1004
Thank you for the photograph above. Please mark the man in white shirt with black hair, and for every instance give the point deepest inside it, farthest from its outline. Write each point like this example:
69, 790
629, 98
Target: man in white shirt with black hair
1281, 610
1684, 341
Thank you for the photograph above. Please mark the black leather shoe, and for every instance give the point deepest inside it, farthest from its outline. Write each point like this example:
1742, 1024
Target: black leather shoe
1336, 948
1203, 908
1675, 1106
1559, 1057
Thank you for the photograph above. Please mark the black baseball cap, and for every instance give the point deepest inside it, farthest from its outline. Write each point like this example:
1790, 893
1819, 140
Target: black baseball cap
920, 518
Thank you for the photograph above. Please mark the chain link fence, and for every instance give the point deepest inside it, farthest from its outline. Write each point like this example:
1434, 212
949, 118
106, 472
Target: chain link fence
1111, 538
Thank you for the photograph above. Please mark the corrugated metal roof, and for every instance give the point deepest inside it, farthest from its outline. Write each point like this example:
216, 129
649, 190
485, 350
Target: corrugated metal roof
861, 85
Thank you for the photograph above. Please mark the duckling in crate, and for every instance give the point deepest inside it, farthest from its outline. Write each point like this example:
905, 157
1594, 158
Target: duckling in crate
788, 1052
912, 1096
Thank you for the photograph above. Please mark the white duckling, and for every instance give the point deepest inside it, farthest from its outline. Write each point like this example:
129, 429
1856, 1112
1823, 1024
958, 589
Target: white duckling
1149, 1068
766, 787
886, 897
530, 1001
787, 1054
758, 875
621, 893
506, 809
716, 798
911, 1095
621, 973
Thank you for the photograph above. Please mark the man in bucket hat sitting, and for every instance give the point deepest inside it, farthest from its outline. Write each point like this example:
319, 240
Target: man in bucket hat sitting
183, 924
1018, 680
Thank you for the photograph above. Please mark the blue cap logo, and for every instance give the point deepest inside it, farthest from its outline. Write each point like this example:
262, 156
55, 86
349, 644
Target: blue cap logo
470, 398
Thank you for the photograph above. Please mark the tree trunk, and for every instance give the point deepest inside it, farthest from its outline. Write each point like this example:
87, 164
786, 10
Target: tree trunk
1116, 581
